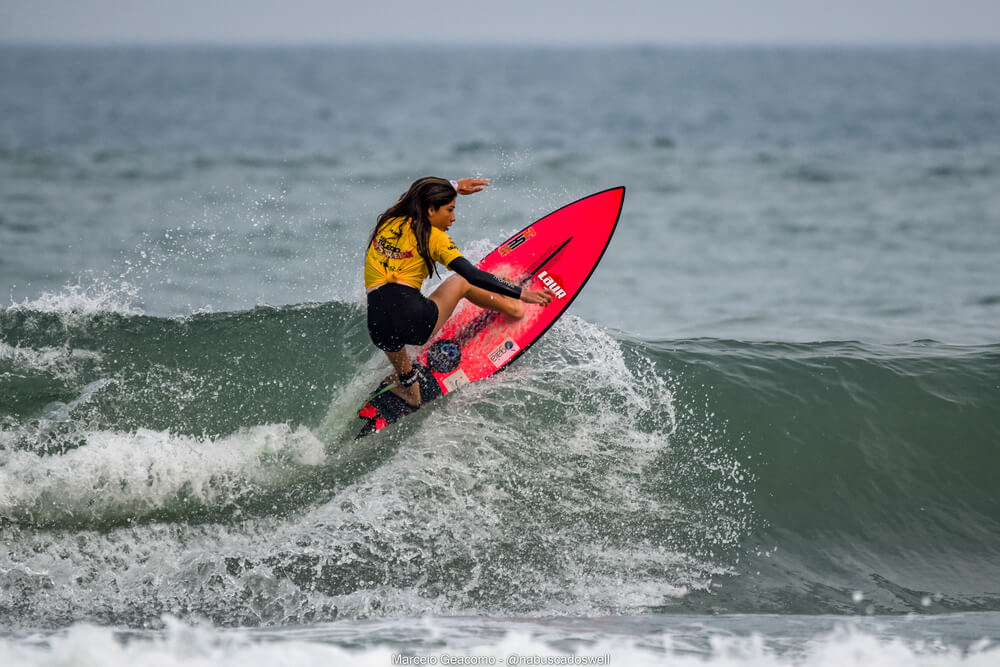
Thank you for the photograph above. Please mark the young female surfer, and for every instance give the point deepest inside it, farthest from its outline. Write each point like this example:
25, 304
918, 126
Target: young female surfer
408, 239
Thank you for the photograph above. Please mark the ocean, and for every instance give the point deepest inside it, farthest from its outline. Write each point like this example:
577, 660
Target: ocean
767, 433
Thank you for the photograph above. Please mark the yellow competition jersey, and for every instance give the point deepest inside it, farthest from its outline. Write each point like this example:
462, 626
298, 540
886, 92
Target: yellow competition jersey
393, 257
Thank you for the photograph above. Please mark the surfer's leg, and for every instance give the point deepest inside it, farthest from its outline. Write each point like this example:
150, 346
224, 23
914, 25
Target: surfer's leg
401, 362
455, 288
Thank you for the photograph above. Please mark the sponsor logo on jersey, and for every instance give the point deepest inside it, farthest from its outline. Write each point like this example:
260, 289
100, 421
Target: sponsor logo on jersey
509, 246
503, 352
392, 252
553, 283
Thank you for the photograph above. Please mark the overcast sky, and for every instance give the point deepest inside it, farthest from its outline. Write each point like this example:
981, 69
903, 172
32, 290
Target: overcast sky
503, 21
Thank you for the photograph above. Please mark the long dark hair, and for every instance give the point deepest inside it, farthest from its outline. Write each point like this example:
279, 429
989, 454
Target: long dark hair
425, 193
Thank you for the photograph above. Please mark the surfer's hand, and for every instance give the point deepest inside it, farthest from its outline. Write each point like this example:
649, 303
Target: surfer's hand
541, 297
468, 186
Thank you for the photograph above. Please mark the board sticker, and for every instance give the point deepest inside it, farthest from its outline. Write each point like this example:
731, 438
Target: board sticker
503, 352
455, 380
507, 247
553, 283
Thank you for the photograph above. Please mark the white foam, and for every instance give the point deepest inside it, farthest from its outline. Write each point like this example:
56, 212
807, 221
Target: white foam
465, 508
464, 475
131, 474
57, 361
183, 645
97, 297
85, 645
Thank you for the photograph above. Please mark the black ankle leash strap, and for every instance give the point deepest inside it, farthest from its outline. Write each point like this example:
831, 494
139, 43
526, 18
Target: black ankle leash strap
407, 379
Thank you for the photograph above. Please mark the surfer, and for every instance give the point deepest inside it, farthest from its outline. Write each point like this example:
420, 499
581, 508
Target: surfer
409, 238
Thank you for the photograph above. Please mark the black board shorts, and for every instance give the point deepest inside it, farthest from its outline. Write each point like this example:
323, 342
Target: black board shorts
400, 315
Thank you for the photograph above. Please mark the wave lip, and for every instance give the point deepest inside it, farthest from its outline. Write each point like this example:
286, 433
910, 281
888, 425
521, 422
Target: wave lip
78, 299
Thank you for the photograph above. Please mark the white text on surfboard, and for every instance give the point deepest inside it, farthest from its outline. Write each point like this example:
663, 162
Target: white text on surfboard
550, 282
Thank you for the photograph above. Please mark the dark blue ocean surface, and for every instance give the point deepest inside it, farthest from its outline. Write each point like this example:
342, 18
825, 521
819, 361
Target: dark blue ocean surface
766, 431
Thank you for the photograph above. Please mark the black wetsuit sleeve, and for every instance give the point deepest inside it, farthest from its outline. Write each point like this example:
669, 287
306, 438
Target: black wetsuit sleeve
484, 279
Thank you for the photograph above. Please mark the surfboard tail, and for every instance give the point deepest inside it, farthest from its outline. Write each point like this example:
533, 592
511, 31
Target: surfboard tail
384, 407
372, 425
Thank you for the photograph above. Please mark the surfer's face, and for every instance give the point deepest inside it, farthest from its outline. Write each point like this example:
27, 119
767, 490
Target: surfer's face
443, 216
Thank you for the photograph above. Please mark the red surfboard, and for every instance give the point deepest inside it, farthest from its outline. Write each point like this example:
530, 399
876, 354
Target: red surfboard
560, 252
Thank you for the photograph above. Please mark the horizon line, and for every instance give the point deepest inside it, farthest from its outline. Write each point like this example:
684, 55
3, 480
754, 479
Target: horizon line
582, 44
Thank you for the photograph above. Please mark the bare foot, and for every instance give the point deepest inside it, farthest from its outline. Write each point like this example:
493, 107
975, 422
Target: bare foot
410, 395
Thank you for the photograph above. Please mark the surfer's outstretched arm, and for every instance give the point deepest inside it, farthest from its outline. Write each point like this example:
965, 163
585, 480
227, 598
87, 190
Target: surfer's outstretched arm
493, 283
468, 186
484, 279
